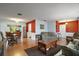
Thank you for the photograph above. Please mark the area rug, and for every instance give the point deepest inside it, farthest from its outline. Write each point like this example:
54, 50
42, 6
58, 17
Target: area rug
34, 51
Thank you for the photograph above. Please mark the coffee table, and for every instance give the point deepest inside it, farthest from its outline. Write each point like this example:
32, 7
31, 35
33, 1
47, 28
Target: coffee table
45, 45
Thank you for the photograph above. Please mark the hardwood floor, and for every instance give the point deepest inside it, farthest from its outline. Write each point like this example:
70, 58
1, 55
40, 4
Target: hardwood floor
18, 49
62, 42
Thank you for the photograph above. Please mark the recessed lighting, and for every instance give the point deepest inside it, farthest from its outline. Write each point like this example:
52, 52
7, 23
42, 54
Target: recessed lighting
19, 14
66, 23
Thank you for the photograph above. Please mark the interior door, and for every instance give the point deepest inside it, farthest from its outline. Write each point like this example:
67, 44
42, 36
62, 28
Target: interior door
29, 27
63, 30
29, 31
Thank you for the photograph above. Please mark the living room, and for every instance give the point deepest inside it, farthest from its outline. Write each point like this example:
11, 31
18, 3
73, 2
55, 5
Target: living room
39, 29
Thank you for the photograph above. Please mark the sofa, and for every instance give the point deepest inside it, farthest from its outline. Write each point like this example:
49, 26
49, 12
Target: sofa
46, 36
72, 47
72, 38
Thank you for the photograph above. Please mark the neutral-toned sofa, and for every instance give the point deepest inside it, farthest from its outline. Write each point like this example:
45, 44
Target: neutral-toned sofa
72, 47
48, 35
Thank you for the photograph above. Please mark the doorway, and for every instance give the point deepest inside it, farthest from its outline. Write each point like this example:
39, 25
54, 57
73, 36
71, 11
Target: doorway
29, 31
63, 31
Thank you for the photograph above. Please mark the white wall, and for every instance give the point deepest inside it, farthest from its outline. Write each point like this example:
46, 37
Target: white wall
38, 30
52, 26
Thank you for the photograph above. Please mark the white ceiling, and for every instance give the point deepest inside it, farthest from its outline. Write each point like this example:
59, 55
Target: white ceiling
45, 11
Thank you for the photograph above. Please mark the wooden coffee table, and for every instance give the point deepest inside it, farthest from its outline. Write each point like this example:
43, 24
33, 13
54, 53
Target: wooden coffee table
45, 45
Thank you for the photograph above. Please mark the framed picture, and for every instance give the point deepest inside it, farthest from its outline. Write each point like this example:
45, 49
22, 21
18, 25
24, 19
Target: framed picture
41, 26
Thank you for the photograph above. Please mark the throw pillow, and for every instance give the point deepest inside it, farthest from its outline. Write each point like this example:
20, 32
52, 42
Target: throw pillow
70, 45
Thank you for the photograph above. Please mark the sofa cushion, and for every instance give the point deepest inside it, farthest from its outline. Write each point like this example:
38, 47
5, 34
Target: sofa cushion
59, 53
76, 35
71, 45
67, 51
48, 35
76, 44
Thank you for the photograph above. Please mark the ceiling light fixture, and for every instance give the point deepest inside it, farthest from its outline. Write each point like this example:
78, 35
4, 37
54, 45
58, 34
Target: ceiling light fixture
17, 20
66, 20
66, 23
19, 14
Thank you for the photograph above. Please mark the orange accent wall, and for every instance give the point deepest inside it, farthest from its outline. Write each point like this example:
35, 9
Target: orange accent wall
33, 25
71, 26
